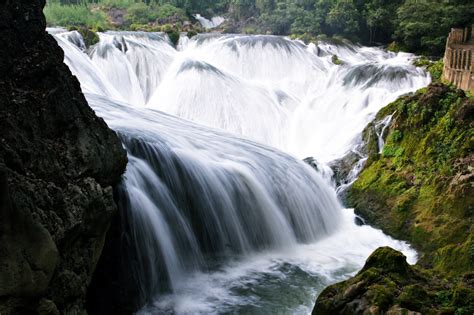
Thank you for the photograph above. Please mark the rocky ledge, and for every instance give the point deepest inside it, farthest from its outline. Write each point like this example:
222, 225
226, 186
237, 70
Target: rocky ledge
58, 162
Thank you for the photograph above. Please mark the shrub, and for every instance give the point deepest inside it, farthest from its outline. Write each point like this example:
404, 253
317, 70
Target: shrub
140, 13
167, 10
335, 60
74, 15
174, 37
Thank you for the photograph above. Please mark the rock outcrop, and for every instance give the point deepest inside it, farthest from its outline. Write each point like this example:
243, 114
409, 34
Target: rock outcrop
388, 285
421, 189
58, 162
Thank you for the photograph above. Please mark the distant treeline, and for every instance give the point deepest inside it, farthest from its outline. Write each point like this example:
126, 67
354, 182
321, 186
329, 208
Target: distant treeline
416, 25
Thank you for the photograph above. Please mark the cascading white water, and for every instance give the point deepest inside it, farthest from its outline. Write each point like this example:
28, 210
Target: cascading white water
209, 24
216, 218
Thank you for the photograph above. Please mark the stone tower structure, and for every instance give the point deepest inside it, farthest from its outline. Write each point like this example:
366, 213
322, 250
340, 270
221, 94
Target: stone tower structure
459, 58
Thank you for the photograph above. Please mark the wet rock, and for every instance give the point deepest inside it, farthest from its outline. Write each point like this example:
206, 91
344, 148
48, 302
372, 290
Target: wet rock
343, 167
311, 161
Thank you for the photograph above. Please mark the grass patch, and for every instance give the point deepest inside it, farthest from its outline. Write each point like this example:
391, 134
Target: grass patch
74, 15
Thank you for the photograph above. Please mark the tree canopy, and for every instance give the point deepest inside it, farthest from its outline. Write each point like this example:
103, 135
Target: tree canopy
416, 25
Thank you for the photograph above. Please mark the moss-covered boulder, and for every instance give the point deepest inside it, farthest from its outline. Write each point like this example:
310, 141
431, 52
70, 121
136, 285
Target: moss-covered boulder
388, 285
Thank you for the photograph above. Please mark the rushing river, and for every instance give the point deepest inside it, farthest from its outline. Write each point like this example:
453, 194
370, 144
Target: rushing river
223, 215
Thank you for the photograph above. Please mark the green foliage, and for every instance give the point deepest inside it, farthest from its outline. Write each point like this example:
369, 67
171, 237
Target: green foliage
392, 151
139, 13
167, 10
74, 15
419, 26
380, 19
173, 36
435, 68
335, 60
120, 4
395, 135
90, 36
343, 18
424, 25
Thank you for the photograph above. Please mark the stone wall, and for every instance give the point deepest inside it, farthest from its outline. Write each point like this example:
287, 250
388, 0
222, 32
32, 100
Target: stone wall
459, 58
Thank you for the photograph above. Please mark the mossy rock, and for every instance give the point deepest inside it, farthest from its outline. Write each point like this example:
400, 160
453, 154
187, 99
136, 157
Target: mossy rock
191, 34
387, 284
420, 189
174, 37
388, 260
335, 60
89, 36
414, 297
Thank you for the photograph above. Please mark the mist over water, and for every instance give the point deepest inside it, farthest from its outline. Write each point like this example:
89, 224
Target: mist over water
221, 219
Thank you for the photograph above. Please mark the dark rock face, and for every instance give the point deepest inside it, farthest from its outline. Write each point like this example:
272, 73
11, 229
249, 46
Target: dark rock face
57, 164
114, 289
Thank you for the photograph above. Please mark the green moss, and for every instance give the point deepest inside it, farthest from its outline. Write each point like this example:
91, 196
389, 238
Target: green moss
173, 36
387, 259
89, 35
335, 60
380, 295
389, 150
405, 201
455, 258
414, 297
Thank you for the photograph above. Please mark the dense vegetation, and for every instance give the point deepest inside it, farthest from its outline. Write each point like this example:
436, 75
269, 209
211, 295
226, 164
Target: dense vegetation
416, 25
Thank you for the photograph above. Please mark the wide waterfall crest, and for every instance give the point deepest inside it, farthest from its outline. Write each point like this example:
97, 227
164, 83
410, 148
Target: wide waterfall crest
268, 88
213, 217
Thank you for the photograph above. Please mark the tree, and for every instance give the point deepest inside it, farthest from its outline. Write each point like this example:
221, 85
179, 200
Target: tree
343, 19
380, 19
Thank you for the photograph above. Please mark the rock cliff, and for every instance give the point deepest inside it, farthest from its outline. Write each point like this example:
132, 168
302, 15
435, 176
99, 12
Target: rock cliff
58, 162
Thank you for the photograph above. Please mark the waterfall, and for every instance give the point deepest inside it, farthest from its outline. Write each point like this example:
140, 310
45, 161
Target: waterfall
209, 24
380, 127
215, 208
